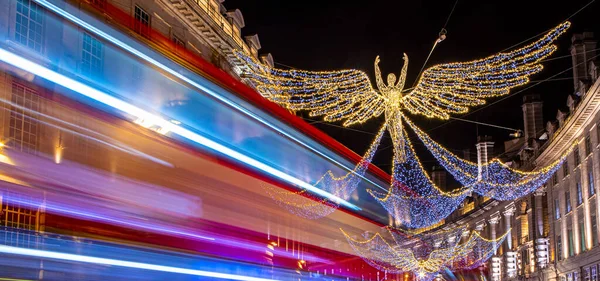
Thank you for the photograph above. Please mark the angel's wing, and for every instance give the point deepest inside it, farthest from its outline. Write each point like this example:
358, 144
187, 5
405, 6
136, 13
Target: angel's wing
453, 87
337, 95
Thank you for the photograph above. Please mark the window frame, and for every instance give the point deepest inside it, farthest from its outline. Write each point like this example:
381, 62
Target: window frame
23, 31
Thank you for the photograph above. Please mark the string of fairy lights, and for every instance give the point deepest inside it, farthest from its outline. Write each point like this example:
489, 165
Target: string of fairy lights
304, 204
412, 199
396, 256
493, 179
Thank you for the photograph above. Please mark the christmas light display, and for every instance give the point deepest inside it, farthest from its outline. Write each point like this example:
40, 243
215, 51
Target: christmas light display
396, 256
413, 199
492, 179
444, 89
304, 204
441, 90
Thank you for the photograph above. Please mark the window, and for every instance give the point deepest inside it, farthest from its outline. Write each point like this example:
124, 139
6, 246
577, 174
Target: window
576, 156
594, 273
566, 168
588, 145
571, 241
101, 4
24, 126
179, 44
559, 248
29, 24
556, 209
567, 202
581, 233
586, 274
579, 194
18, 214
591, 189
142, 21
555, 178
594, 223
597, 133
91, 55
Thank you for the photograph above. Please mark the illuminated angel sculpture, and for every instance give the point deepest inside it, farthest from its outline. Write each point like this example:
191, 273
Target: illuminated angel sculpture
441, 90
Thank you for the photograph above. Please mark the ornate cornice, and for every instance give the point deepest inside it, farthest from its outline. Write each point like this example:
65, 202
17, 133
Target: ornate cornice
573, 128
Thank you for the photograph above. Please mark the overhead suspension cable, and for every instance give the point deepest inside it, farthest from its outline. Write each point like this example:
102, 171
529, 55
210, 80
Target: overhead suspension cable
441, 37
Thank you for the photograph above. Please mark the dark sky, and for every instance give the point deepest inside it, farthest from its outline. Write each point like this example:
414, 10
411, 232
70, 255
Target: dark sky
332, 34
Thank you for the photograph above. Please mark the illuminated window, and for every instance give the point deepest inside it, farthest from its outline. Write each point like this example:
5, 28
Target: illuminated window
588, 145
29, 25
579, 194
581, 233
586, 274
556, 209
594, 223
567, 202
570, 238
142, 21
591, 189
91, 55
594, 273
24, 125
19, 213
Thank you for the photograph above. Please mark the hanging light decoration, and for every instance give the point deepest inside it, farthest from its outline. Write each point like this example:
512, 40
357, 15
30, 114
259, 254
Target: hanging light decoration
306, 205
493, 179
413, 199
414, 254
444, 89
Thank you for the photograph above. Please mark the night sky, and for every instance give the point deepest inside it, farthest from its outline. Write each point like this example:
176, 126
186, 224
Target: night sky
332, 34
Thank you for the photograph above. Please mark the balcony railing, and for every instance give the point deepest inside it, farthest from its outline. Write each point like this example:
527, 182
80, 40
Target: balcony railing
220, 20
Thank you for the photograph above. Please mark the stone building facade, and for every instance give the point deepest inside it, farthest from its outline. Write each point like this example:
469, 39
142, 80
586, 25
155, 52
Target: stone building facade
553, 233
203, 27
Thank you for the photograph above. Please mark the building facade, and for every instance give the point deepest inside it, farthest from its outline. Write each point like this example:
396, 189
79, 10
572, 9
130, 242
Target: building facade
553, 233
203, 27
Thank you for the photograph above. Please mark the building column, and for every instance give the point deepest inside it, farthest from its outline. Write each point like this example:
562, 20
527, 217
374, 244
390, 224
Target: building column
510, 255
493, 221
541, 242
495, 261
539, 213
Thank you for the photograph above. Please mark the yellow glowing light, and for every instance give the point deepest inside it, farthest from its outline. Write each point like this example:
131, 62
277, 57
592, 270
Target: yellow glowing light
58, 154
6, 160
12, 180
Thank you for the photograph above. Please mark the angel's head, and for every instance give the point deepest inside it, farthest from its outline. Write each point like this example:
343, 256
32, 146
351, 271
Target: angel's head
391, 80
